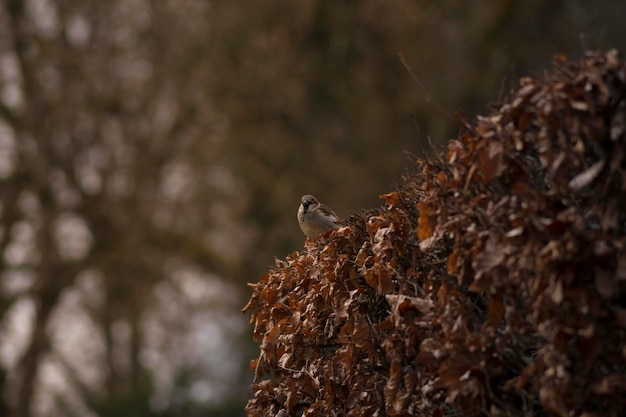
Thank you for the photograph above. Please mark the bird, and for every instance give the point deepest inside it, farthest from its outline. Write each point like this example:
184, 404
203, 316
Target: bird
315, 218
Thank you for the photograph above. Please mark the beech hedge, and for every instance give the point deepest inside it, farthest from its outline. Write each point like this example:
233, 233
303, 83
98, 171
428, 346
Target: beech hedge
492, 282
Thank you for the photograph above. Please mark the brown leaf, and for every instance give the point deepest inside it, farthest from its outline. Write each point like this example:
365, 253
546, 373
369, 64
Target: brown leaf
605, 284
362, 335
346, 331
385, 281
521, 381
614, 383
553, 401
393, 382
583, 179
424, 227
491, 256
442, 179
580, 105
495, 311
556, 291
453, 261
618, 125
253, 364
391, 199
560, 58
491, 165
401, 303
376, 222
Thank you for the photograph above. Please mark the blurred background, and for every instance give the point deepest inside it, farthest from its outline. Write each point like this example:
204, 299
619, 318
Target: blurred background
153, 154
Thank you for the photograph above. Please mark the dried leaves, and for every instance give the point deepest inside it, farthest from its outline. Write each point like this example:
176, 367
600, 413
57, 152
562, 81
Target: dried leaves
492, 283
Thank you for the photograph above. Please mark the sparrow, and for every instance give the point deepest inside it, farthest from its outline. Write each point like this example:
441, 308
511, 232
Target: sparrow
315, 218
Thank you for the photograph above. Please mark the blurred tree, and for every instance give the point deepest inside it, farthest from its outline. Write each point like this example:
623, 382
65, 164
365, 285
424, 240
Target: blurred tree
114, 205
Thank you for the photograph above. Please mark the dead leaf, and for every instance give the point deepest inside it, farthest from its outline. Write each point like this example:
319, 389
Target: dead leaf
605, 284
488, 258
391, 199
583, 179
424, 228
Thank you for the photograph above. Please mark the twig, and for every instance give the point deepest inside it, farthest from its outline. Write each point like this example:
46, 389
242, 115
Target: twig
421, 86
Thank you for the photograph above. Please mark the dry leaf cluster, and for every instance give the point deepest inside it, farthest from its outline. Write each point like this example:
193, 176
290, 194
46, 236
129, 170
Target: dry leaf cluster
493, 282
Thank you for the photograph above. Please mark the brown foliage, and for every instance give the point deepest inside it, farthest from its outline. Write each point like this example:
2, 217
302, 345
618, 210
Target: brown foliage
492, 282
